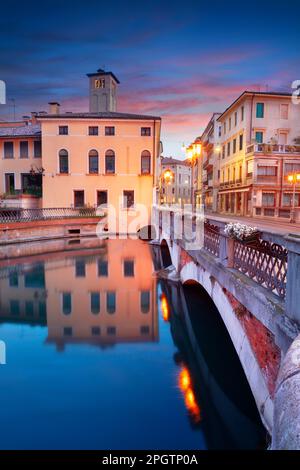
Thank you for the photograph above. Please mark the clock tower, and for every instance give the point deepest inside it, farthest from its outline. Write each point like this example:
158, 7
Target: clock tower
103, 91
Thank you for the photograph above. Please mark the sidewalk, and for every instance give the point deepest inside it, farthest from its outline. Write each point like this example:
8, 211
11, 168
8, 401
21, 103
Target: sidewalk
279, 227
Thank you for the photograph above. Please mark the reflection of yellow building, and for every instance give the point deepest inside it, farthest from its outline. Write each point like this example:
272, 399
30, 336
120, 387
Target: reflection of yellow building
103, 296
107, 298
23, 295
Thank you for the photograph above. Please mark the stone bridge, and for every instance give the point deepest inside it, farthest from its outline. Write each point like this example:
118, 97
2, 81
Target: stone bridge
256, 289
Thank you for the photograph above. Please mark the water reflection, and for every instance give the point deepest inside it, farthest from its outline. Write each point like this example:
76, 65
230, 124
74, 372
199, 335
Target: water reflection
104, 297
172, 379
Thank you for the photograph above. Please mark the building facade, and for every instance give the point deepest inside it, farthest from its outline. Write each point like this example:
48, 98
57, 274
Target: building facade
259, 149
208, 166
247, 154
177, 189
21, 162
89, 159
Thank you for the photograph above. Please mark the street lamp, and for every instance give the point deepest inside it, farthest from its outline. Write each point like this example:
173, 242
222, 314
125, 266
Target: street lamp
293, 179
168, 179
193, 152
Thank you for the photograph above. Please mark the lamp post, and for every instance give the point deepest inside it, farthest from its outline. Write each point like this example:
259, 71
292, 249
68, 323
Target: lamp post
293, 178
168, 177
193, 153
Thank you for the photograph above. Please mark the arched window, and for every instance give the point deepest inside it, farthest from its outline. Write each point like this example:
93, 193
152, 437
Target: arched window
63, 161
145, 162
93, 162
110, 162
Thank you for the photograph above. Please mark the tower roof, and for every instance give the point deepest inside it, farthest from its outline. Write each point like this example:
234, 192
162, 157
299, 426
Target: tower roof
102, 72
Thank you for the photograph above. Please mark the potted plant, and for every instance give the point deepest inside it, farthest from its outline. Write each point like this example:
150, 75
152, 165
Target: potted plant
241, 232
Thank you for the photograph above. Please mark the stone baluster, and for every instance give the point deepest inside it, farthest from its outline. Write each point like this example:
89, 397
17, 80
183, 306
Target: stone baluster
292, 298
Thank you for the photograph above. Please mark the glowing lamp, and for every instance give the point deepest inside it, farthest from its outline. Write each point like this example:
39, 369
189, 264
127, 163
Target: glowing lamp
290, 178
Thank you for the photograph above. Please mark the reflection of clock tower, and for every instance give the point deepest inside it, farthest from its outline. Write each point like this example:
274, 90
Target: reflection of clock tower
103, 91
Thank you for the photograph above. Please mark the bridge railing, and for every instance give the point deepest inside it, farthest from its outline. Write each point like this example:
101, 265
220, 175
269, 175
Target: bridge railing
28, 215
272, 261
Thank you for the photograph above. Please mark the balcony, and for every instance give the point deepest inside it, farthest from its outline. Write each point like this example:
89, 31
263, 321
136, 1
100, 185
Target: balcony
273, 148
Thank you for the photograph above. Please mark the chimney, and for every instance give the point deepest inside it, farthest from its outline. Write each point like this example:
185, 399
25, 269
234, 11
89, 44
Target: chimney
54, 107
33, 117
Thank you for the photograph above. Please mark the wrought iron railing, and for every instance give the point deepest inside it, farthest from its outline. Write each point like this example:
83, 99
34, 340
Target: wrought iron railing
264, 262
27, 215
212, 238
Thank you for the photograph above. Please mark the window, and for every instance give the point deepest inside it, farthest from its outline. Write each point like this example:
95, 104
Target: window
95, 330
223, 151
66, 303
101, 197
291, 168
8, 150
80, 268
268, 199
102, 268
230, 123
145, 301
128, 268
63, 161
260, 110
220, 131
128, 199
287, 199
95, 302
145, 162
259, 137
224, 127
42, 309
234, 145
242, 113
111, 330
109, 130
145, 330
284, 111
68, 331
111, 302
13, 279
235, 118
241, 138
93, 130
29, 308
228, 149
14, 307
250, 168
9, 183
79, 198
93, 162
266, 170
110, 162
63, 130
24, 149
146, 131
37, 149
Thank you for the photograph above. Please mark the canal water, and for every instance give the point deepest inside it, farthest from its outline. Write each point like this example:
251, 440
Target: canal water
101, 354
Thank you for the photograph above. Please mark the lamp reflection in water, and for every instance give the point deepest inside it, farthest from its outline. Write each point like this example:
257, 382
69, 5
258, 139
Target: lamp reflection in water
164, 308
186, 387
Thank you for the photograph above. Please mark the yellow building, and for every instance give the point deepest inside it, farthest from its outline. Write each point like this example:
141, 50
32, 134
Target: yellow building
21, 163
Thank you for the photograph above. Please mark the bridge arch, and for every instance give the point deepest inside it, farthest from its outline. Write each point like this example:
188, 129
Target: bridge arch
165, 253
191, 273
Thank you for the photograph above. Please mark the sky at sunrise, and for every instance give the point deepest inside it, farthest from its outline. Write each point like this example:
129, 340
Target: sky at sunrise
181, 60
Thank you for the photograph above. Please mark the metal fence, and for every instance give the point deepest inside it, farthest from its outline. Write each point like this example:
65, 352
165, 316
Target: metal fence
28, 215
